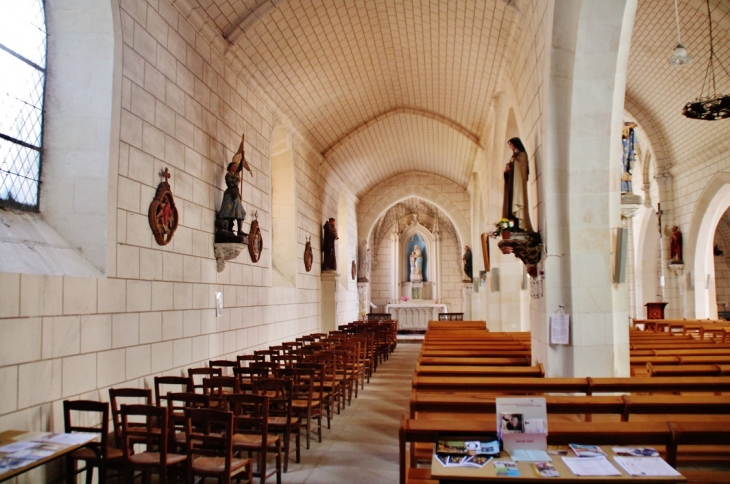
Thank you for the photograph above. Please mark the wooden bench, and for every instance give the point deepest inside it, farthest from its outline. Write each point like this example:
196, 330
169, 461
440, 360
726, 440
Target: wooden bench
457, 325
481, 370
475, 361
512, 386
412, 431
687, 370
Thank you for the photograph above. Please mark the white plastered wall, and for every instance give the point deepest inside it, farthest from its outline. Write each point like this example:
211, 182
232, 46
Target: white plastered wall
183, 106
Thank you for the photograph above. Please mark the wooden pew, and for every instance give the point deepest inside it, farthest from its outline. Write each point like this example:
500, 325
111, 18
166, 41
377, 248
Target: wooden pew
412, 431
482, 370
479, 403
675, 405
475, 353
456, 325
684, 370
587, 385
476, 361
678, 384
513, 386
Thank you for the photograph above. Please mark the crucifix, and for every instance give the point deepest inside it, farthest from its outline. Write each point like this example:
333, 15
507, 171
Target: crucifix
659, 213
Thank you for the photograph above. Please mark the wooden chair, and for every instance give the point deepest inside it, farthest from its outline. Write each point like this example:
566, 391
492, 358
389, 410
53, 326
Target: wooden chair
209, 441
94, 454
201, 373
281, 419
120, 396
153, 435
184, 384
176, 405
223, 365
323, 385
305, 405
251, 430
271, 366
247, 375
217, 387
245, 360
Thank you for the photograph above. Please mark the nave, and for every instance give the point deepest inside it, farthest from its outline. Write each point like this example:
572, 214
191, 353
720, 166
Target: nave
362, 446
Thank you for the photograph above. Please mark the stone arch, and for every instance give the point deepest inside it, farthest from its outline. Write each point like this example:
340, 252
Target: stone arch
428, 194
284, 234
698, 257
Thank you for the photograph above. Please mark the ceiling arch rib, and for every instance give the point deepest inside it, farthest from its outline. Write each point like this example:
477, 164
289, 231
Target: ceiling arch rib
402, 142
404, 110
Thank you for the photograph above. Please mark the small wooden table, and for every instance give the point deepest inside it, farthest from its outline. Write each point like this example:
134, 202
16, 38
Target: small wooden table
459, 475
9, 437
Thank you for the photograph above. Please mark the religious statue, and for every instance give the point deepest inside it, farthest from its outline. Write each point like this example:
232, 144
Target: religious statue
364, 269
329, 256
416, 264
516, 172
675, 244
628, 139
466, 258
231, 207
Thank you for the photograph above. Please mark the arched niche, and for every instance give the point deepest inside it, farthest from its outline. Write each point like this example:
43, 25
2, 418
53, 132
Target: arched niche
698, 255
417, 234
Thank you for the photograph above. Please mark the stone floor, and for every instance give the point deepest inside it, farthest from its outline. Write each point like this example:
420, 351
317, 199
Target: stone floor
362, 446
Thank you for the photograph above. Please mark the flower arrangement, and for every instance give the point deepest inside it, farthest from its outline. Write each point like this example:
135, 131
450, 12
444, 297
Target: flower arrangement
502, 226
404, 298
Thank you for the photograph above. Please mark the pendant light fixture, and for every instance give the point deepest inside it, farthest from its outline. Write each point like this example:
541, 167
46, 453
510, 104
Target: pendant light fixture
709, 107
679, 57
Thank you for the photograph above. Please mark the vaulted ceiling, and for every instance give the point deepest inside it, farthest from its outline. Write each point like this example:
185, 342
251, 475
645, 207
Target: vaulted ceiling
382, 87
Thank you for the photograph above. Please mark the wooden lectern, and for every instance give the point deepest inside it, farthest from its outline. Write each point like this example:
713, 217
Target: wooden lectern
655, 310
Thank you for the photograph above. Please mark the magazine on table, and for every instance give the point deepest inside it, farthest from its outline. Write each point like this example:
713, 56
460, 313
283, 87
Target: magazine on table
506, 468
545, 469
581, 450
464, 452
635, 451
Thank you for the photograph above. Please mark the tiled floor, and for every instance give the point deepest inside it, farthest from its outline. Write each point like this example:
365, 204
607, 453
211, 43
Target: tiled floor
362, 446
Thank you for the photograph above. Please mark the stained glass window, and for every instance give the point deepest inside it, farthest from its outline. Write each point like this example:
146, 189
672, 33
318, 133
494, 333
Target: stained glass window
22, 82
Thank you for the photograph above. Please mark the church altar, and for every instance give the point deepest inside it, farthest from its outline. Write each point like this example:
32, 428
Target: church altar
415, 315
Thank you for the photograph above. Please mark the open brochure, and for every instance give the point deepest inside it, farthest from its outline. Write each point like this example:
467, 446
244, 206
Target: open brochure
646, 466
456, 452
591, 466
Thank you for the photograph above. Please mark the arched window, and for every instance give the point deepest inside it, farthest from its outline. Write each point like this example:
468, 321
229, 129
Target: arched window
22, 85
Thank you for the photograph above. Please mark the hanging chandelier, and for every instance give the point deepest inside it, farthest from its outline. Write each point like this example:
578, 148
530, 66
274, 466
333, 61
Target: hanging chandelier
709, 107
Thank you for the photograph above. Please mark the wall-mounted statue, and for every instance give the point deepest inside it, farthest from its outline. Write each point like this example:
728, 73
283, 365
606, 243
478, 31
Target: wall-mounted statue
364, 272
231, 207
329, 256
675, 244
466, 259
514, 203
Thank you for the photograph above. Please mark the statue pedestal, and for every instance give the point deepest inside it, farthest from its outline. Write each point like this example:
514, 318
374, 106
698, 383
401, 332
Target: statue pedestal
329, 281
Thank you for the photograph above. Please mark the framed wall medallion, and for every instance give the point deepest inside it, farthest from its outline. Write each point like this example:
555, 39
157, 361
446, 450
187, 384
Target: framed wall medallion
308, 256
162, 215
255, 241
353, 270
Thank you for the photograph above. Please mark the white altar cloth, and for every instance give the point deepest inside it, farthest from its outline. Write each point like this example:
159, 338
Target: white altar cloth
415, 315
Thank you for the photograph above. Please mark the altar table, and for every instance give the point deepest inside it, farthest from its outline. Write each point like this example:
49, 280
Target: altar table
415, 315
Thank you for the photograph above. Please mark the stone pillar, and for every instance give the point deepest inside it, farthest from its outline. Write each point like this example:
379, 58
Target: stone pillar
395, 266
363, 298
330, 286
467, 291
629, 206
581, 172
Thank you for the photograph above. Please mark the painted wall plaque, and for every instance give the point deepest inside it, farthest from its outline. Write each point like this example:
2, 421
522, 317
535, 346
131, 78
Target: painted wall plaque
308, 255
162, 215
255, 241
